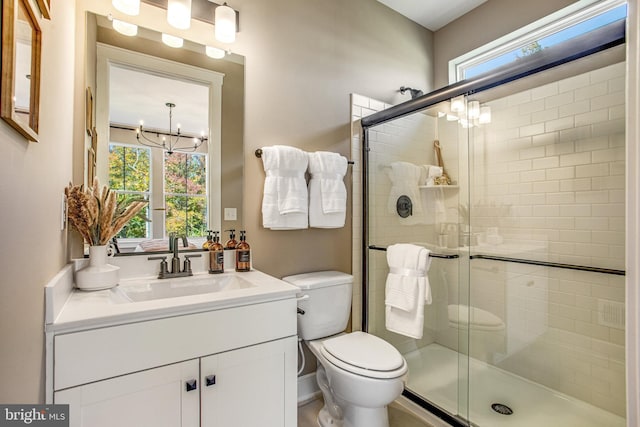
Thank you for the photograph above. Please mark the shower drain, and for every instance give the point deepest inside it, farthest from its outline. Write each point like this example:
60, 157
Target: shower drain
501, 409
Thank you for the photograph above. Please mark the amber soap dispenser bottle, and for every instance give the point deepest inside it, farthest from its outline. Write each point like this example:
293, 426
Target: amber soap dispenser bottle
243, 253
216, 255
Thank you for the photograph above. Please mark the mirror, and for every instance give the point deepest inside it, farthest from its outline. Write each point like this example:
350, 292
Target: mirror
21, 44
115, 128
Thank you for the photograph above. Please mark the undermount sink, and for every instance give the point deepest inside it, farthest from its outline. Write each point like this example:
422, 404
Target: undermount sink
148, 290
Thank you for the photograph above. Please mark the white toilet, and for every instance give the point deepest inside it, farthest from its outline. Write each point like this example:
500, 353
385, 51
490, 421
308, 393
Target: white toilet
359, 374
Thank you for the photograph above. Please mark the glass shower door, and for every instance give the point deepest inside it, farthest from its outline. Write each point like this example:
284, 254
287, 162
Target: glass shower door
437, 219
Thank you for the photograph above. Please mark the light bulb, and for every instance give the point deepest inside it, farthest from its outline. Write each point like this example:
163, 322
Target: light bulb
129, 7
179, 13
124, 28
473, 109
225, 24
172, 41
214, 52
485, 115
457, 104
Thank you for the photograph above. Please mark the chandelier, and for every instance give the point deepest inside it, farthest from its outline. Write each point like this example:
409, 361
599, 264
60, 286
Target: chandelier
170, 142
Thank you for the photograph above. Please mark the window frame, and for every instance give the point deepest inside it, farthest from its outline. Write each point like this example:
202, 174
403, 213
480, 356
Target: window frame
558, 21
107, 56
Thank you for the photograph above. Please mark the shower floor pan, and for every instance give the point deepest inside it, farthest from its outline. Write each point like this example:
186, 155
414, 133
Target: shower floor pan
433, 374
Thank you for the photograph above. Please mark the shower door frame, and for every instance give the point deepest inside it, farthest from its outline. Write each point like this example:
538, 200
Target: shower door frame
596, 41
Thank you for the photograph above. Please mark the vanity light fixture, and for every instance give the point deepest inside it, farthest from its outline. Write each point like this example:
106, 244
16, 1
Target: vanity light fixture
170, 142
215, 52
129, 7
225, 24
172, 41
179, 13
124, 28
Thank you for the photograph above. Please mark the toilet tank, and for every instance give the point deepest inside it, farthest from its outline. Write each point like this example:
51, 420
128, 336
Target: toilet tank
326, 302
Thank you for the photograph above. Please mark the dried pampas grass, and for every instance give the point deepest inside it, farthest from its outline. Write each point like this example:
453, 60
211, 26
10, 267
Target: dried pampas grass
96, 214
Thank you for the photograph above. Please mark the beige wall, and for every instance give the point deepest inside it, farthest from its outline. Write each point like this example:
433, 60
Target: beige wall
303, 60
33, 177
491, 20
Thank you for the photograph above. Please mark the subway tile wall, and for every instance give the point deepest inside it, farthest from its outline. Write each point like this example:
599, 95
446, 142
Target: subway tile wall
548, 173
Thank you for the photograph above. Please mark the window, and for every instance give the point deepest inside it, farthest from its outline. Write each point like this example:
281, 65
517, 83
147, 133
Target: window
554, 29
129, 177
185, 183
185, 189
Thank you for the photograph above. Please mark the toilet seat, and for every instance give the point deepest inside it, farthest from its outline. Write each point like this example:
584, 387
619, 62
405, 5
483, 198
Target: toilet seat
364, 354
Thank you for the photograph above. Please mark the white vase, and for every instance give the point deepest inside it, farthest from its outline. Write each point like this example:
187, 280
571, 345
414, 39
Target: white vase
98, 274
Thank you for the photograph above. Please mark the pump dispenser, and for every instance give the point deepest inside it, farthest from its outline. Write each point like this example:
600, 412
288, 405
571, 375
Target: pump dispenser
230, 249
232, 242
216, 255
243, 253
209, 240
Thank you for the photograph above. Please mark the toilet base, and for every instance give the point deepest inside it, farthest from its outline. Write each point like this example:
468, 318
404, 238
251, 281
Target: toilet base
326, 420
355, 417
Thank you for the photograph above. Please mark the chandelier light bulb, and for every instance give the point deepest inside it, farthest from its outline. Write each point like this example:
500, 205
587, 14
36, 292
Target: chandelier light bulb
179, 14
129, 7
225, 24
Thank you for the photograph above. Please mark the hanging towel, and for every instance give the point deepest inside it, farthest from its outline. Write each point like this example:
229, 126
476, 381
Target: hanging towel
407, 289
405, 178
327, 192
285, 201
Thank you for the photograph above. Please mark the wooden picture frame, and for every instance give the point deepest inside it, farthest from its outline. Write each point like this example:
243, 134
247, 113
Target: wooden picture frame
88, 120
45, 8
21, 54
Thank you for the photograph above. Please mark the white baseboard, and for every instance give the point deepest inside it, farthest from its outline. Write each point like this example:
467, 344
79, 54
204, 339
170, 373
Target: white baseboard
308, 389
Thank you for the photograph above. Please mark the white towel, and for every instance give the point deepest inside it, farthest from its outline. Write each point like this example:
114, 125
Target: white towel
430, 173
327, 192
285, 201
407, 289
405, 178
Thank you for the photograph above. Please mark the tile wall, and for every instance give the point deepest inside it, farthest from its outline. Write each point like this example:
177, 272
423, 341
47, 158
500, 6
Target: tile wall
548, 174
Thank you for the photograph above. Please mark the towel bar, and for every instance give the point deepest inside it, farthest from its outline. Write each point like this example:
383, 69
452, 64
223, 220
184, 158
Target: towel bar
258, 154
431, 254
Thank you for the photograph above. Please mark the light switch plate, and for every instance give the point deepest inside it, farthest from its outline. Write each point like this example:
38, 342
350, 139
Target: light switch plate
230, 214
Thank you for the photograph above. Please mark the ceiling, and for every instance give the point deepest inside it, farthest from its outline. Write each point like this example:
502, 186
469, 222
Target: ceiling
432, 14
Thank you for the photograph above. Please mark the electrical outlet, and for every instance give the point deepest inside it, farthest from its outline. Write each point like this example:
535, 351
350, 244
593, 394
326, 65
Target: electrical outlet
230, 214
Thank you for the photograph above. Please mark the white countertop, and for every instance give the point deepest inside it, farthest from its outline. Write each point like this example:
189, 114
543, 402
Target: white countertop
93, 309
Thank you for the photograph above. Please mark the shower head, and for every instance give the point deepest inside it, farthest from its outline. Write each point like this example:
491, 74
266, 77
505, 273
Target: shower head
414, 92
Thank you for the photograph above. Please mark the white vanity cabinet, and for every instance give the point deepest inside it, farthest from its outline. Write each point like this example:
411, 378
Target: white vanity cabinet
155, 397
228, 367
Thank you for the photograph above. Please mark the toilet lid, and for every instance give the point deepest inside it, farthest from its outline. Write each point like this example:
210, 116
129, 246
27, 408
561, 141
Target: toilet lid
360, 352
463, 315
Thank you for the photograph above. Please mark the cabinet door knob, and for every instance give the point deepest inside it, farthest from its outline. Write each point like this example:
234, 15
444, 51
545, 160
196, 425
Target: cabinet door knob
210, 380
191, 385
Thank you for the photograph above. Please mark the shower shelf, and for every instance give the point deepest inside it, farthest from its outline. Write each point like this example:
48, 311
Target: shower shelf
431, 254
439, 186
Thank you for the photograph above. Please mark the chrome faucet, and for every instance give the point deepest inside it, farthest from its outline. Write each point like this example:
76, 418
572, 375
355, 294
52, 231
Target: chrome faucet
175, 261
